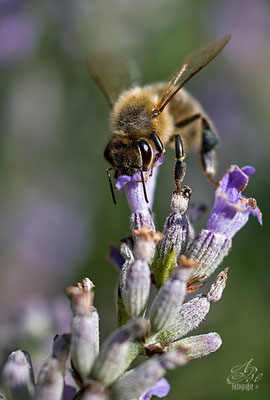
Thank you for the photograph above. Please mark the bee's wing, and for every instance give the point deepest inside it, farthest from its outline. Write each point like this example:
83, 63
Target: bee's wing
113, 74
193, 64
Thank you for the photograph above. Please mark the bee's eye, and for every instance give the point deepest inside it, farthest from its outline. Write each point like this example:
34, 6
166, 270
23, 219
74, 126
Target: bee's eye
146, 153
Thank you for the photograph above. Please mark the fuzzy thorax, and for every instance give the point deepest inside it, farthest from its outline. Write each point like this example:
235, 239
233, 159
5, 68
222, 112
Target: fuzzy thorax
132, 114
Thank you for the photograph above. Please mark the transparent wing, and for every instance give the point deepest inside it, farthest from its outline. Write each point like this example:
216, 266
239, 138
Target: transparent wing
113, 74
193, 64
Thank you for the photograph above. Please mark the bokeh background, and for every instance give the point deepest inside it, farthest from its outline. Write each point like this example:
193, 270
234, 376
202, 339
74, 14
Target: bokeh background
57, 217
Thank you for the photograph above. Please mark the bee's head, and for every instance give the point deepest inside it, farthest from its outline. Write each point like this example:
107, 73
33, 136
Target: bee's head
129, 156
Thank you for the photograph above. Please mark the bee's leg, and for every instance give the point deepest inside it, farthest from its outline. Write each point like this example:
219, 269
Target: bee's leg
188, 121
209, 141
159, 147
207, 152
180, 165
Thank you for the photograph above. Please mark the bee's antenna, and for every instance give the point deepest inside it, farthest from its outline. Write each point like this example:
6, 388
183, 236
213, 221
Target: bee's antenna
144, 187
111, 185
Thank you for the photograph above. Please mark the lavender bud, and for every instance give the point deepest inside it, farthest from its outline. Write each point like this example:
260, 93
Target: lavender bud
84, 328
198, 346
218, 286
209, 250
140, 379
145, 243
114, 355
135, 280
193, 312
188, 318
50, 381
176, 228
135, 285
177, 232
18, 377
85, 342
170, 298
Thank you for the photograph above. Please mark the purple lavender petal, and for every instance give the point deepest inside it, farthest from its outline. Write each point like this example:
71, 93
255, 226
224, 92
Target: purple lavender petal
248, 170
134, 188
69, 392
122, 180
231, 210
160, 389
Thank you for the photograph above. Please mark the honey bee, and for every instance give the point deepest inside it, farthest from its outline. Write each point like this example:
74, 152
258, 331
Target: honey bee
145, 119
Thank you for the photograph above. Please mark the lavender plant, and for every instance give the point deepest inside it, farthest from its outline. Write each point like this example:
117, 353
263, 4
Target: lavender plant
175, 263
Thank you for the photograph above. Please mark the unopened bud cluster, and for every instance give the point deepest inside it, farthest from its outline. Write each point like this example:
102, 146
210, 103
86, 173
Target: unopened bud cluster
175, 262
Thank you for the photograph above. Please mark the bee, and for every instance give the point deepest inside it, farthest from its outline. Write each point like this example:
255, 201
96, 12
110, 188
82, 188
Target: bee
144, 120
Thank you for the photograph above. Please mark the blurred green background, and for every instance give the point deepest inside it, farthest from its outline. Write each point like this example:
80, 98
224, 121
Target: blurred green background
57, 216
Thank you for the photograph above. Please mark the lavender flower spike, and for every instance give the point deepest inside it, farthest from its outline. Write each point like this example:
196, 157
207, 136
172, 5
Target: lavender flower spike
230, 213
141, 214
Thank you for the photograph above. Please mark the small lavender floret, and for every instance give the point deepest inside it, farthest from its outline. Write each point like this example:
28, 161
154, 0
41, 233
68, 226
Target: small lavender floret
193, 312
114, 355
84, 327
160, 389
141, 214
140, 379
231, 210
50, 381
18, 377
170, 297
198, 346
230, 213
